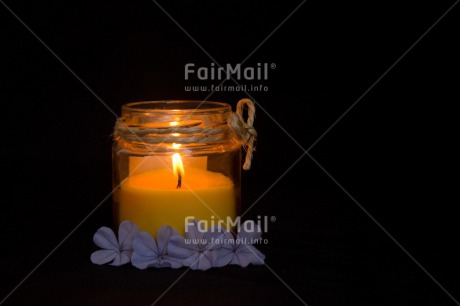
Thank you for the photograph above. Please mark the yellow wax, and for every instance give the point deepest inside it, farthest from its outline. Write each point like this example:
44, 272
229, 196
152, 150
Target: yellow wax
151, 199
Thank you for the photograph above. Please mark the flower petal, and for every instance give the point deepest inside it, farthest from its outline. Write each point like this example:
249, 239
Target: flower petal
249, 230
228, 241
177, 248
161, 264
127, 231
145, 252
258, 258
242, 259
120, 259
247, 254
204, 263
105, 238
222, 257
143, 262
145, 245
214, 238
192, 231
191, 260
103, 256
163, 236
173, 262
198, 261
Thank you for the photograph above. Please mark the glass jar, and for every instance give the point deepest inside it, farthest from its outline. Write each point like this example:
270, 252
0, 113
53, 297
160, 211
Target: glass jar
175, 161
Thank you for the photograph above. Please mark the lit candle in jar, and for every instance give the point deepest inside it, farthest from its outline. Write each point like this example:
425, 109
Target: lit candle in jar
177, 159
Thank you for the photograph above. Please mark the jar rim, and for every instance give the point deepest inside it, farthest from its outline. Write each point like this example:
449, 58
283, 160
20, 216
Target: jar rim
176, 106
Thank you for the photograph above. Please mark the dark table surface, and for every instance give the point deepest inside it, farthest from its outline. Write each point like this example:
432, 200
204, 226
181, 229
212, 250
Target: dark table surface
369, 218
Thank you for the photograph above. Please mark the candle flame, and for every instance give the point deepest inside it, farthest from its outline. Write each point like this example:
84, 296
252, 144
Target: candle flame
178, 167
174, 123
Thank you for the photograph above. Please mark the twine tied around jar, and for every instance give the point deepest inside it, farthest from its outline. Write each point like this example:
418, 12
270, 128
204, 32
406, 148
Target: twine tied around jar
243, 130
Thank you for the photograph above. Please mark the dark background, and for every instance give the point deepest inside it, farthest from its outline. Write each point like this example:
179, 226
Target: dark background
395, 152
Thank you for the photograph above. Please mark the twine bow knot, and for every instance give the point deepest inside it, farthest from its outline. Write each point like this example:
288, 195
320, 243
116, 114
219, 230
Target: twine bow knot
244, 131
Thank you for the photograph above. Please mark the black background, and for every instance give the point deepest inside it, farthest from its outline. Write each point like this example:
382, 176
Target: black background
395, 152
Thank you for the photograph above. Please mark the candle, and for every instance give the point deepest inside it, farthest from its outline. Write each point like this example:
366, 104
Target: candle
153, 198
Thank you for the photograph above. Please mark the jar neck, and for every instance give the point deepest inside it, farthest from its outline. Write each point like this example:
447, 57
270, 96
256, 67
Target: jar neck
174, 122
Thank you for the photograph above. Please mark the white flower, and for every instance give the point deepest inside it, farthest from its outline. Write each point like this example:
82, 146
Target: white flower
148, 253
198, 249
240, 251
118, 252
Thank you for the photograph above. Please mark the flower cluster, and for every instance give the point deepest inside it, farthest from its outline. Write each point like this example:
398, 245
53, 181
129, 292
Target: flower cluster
199, 250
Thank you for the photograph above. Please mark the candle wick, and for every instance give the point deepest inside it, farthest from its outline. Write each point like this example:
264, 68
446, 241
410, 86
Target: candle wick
179, 181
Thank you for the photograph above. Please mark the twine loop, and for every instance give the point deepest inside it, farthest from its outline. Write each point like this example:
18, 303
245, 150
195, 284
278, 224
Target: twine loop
244, 131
